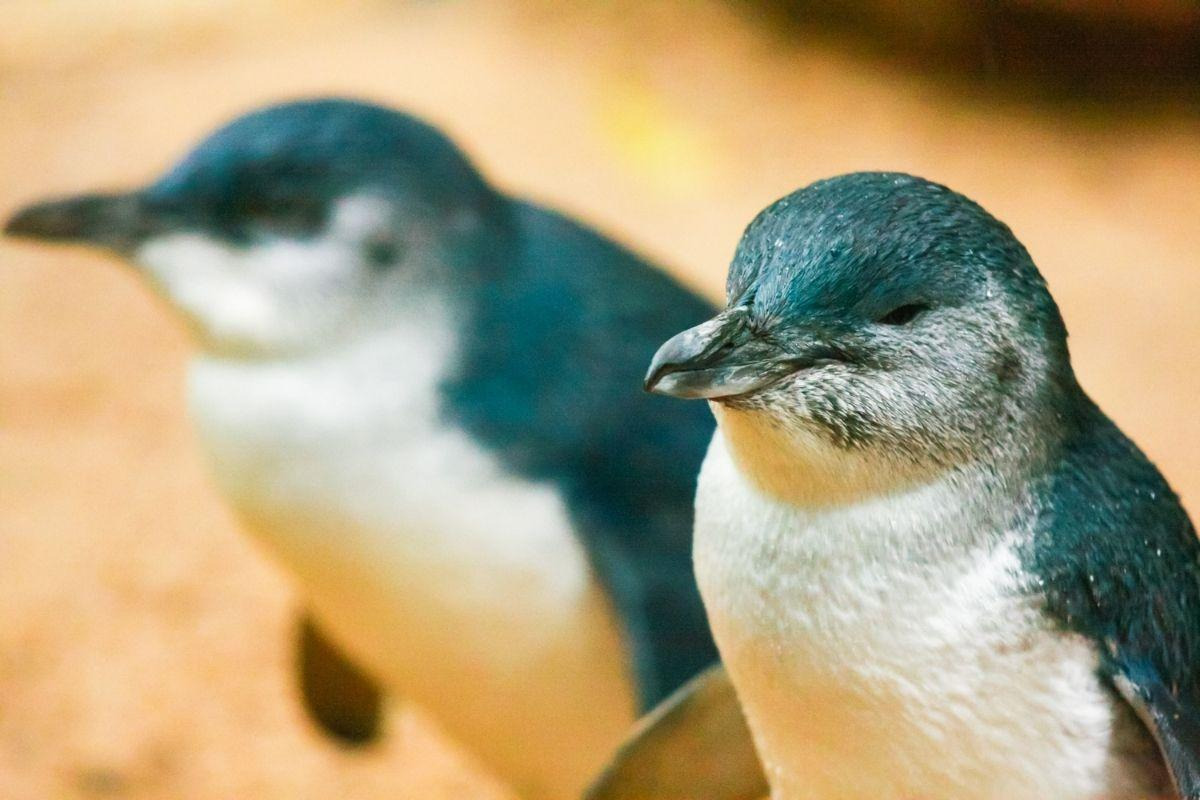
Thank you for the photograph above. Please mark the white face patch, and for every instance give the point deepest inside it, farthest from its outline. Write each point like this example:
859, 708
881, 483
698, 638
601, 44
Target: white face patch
277, 294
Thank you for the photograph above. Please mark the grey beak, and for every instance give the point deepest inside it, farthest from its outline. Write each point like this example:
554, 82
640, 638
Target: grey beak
117, 221
719, 358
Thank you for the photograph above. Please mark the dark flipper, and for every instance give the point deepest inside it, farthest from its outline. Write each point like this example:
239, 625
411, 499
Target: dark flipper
694, 746
1174, 722
342, 699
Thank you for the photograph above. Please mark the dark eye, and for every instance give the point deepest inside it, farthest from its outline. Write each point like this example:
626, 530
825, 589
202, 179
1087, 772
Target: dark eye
297, 218
382, 252
282, 216
902, 315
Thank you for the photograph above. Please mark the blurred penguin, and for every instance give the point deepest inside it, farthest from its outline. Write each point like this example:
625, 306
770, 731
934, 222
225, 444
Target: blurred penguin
423, 396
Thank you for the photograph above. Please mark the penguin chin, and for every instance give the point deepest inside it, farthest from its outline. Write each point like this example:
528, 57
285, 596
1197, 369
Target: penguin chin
795, 461
233, 337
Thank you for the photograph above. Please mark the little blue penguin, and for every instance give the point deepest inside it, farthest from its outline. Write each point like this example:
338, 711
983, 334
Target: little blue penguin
933, 567
424, 398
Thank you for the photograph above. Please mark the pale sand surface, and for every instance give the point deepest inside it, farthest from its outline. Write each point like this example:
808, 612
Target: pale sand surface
144, 643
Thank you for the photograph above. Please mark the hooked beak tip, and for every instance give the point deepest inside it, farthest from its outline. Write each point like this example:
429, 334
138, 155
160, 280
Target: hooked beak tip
684, 366
674, 356
652, 379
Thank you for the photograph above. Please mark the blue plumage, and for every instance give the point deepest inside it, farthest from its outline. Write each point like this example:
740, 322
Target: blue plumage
550, 379
558, 323
553, 324
1115, 552
281, 165
1117, 558
902, 334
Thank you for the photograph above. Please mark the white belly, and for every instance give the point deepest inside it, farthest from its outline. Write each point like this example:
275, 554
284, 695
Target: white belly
873, 662
462, 587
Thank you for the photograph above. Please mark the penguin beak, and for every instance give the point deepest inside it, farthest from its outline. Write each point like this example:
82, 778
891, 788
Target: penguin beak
723, 358
115, 221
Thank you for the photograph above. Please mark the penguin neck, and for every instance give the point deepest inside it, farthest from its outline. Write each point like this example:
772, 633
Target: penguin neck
908, 533
375, 389
798, 467
410, 326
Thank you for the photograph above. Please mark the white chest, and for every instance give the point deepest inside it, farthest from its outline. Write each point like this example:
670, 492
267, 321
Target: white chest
877, 659
344, 463
459, 584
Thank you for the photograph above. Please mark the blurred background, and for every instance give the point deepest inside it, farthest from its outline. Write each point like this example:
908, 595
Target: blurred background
145, 646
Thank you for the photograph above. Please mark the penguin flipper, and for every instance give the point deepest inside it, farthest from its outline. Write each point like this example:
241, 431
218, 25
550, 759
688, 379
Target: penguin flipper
339, 696
694, 746
1174, 723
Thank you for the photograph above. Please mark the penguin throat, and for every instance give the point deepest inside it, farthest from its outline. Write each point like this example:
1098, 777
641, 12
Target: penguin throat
797, 467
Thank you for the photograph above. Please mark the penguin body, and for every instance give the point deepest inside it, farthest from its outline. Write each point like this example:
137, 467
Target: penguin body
933, 567
899, 665
390, 519
421, 396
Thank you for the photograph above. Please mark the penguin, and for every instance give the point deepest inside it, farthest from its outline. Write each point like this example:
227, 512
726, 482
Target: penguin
933, 567
422, 396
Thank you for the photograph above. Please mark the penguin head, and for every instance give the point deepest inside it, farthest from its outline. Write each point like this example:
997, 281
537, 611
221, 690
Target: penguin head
291, 227
880, 314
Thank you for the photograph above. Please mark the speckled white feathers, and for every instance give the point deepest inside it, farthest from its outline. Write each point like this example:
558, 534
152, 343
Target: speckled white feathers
881, 647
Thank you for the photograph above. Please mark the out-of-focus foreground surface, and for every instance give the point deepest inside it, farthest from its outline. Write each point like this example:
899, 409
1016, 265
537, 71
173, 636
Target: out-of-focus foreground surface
145, 646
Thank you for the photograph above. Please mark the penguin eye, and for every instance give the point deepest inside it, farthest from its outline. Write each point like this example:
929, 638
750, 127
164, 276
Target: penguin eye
382, 252
297, 217
902, 315
293, 216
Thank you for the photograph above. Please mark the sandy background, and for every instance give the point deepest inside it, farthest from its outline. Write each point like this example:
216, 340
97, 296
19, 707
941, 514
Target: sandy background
145, 644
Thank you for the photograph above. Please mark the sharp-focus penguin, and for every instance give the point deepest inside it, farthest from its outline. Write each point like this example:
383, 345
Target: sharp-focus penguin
423, 397
933, 567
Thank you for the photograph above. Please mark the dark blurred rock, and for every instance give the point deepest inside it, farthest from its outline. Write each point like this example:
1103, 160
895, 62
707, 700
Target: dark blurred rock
1092, 49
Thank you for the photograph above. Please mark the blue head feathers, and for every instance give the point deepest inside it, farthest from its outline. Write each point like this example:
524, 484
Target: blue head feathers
881, 311
282, 165
860, 247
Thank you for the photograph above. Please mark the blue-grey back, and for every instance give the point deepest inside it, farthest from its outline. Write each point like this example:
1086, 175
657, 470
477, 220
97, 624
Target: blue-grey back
563, 325
1117, 556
